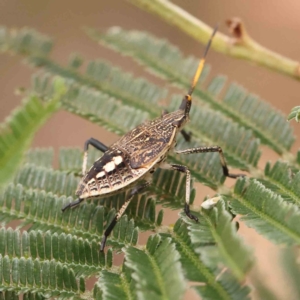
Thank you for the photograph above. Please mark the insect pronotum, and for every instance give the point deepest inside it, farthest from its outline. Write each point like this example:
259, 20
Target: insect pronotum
130, 162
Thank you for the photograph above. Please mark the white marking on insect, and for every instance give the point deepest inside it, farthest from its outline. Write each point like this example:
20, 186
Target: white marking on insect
92, 181
117, 160
109, 166
100, 174
210, 203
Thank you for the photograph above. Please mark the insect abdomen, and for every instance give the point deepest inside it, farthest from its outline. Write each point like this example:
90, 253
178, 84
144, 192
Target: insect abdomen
110, 173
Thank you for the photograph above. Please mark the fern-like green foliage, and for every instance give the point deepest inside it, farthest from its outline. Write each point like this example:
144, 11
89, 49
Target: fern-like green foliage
52, 254
18, 131
265, 211
167, 61
294, 114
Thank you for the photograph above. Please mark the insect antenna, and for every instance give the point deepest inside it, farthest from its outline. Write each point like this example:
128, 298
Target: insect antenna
187, 100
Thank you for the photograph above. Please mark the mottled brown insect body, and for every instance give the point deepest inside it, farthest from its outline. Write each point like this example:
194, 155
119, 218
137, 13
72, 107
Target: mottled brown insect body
128, 163
132, 157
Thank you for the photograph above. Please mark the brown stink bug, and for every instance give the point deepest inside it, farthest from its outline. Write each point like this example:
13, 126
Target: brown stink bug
129, 162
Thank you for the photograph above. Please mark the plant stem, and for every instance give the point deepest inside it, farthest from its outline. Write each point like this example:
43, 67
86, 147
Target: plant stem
240, 45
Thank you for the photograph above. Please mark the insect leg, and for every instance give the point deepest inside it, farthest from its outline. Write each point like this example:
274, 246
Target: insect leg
211, 149
185, 170
97, 144
186, 135
71, 204
119, 214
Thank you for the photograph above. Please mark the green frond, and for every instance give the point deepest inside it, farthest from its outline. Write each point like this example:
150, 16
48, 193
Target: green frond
165, 59
90, 104
139, 93
81, 255
25, 41
43, 211
46, 179
289, 259
217, 228
294, 114
49, 258
111, 81
31, 275
212, 128
215, 286
283, 179
18, 130
160, 269
168, 187
33, 296
41, 157
115, 285
261, 291
266, 212
235, 290
103, 110
137, 98
157, 54
10, 296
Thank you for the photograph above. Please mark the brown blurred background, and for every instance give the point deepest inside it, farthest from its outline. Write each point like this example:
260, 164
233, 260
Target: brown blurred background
273, 23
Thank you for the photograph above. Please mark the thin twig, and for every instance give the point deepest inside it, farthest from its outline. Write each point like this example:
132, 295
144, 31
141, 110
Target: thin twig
240, 45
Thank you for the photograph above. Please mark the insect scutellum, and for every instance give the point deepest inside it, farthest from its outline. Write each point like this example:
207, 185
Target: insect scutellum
129, 163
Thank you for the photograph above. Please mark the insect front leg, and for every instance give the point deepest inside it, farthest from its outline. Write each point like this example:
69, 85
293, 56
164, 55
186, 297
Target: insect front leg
95, 143
211, 149
120, 213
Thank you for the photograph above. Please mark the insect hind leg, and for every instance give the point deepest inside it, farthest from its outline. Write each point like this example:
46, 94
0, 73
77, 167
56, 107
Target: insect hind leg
72, 204
120, 213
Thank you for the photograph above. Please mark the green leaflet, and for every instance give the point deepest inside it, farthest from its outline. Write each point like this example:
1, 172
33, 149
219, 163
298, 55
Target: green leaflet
218, 229
49, 277
25, 41
42, 157
90, 104
81, 255
284, 180
212, 128
43, 211
11, 295
115, 286
266, 212
165, 59
198, 249
291, 269
199, 270
241, 147
161, 271
18, 131
235, 290
294, 114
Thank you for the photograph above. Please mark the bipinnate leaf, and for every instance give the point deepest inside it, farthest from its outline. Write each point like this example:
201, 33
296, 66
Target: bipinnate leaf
160, 269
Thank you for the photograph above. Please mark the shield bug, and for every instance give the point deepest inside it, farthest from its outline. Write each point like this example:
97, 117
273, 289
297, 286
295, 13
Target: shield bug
129, 162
